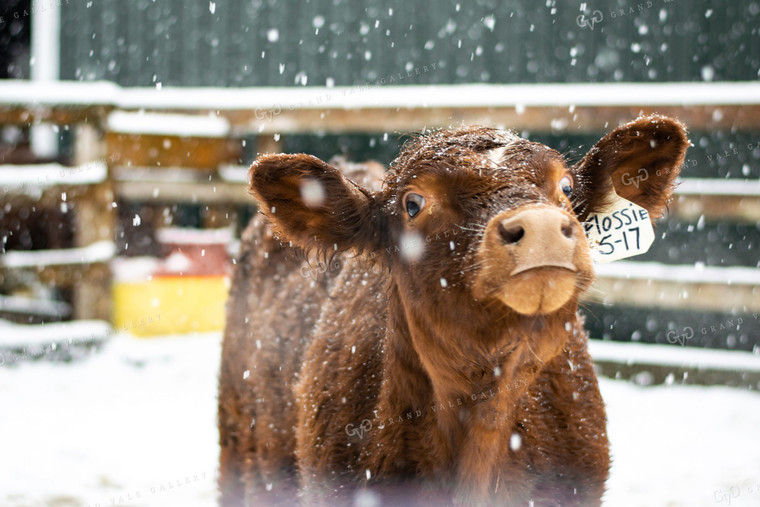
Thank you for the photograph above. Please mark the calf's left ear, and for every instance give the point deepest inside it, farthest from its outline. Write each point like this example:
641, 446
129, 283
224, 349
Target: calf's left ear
313, 205
639, 161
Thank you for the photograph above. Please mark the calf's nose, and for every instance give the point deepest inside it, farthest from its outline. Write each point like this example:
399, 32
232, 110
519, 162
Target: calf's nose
538, 237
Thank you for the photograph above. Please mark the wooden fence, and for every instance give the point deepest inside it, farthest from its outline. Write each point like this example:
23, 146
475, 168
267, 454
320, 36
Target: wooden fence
184, 144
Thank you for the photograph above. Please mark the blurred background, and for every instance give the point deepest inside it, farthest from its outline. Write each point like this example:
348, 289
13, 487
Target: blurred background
126, 131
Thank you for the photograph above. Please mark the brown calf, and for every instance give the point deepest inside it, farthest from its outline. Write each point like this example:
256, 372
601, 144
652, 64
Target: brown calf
431, 347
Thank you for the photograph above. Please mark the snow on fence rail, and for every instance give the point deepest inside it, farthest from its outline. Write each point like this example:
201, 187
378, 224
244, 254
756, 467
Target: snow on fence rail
101, 251
33, 179
649, 364
62, 341
32, 306
367, 108
690, 357
22, 336
718, 199
714, 186
184, 125
73, 93
697, 288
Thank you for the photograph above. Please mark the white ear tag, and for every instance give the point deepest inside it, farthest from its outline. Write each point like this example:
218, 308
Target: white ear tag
622, 230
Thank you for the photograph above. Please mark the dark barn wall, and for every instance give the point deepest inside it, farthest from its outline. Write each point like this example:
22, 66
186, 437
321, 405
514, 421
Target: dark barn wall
14, 39
289, 42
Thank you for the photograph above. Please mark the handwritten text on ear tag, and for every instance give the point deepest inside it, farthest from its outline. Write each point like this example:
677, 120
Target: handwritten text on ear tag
622, 230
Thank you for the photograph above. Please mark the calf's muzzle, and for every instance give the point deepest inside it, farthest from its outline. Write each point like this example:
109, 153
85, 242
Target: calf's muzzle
534, 259
538, 237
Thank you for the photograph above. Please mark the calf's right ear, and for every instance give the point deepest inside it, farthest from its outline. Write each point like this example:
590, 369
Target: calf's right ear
638, 161
313, 205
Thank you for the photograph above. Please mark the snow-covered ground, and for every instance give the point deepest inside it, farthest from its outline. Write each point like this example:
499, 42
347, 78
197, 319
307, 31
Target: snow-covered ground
134, 424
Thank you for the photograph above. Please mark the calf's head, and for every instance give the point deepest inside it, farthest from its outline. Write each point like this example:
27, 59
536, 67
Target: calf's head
475, 217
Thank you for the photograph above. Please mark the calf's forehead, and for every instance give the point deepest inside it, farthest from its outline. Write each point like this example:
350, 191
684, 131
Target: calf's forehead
496, 156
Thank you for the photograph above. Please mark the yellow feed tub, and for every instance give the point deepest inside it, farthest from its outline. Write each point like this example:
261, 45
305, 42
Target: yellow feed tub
170, 304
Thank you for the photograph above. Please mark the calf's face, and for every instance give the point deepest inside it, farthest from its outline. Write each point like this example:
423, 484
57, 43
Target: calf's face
490, 214
475, 214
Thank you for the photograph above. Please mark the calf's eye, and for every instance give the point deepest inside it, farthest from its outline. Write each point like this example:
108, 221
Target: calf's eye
413, 203
566, 185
